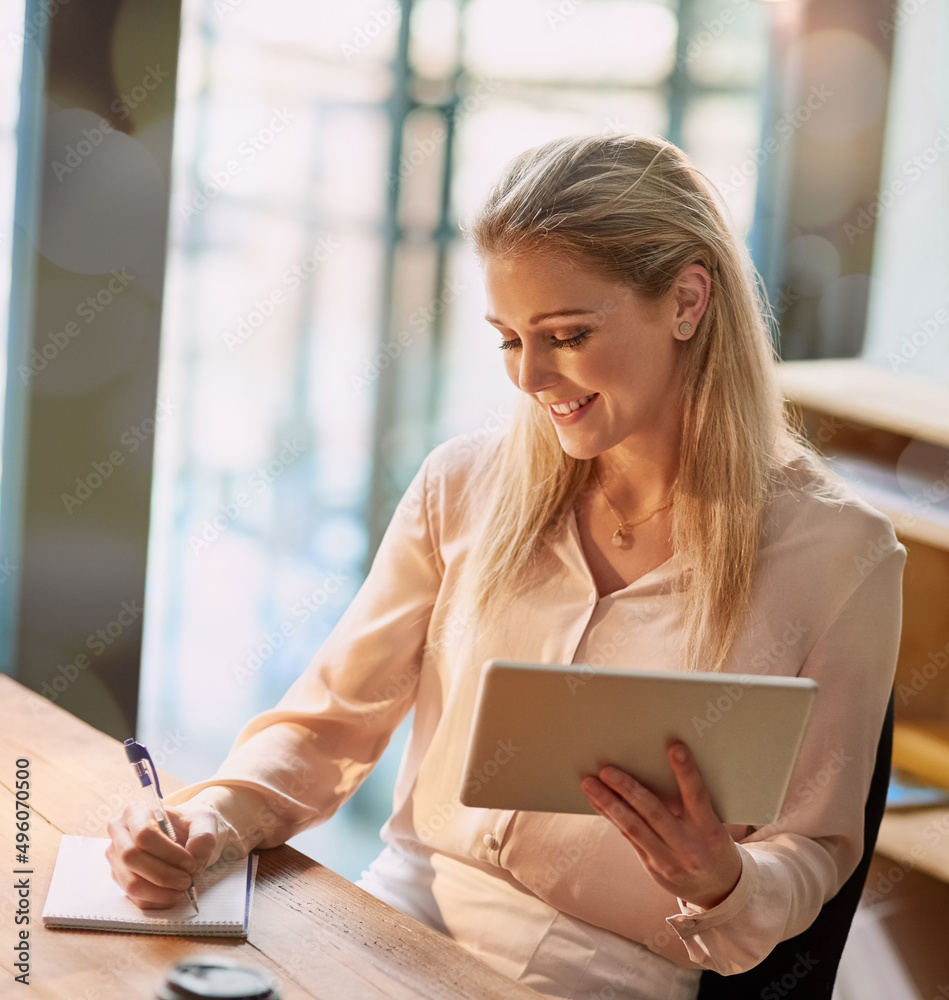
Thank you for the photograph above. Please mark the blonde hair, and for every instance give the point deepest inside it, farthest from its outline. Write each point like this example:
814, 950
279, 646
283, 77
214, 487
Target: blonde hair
633, 210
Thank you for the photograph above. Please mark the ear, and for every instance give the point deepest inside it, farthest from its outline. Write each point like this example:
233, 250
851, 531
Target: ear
692, 289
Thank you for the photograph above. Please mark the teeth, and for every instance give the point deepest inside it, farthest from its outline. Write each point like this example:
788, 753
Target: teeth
564, 409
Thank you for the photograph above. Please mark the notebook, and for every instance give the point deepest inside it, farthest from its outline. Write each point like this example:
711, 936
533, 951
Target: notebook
83, 895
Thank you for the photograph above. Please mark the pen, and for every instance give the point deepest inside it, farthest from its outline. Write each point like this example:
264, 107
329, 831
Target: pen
137, 755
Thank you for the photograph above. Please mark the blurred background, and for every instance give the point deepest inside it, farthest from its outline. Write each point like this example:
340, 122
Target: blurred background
236, 310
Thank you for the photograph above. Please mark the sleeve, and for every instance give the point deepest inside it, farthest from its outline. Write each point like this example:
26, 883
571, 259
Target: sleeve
793, 866
293, 766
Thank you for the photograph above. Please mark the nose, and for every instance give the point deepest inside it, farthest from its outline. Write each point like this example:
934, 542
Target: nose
535, 371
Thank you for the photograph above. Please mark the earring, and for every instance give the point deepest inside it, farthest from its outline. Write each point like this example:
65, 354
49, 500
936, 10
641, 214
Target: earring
685, 329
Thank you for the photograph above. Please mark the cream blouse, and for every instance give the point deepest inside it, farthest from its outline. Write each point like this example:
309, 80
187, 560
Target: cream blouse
826, 605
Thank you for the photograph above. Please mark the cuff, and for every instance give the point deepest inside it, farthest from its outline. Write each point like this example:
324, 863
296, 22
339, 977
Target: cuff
692, 919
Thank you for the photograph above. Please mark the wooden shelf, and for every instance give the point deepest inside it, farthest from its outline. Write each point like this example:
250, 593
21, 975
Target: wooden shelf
854, 390
922, 749
878, 485
917, 839
875, 417
902, 405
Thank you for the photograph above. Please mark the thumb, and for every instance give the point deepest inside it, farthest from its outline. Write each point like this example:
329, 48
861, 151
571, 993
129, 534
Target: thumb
206, 837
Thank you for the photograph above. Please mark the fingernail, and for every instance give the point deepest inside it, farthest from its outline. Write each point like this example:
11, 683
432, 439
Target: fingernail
679, 754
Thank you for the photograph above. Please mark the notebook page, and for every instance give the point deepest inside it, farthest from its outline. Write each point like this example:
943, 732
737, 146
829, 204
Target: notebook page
83, 894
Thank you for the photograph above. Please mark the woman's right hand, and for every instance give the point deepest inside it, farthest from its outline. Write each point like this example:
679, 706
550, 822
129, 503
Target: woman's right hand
152, 870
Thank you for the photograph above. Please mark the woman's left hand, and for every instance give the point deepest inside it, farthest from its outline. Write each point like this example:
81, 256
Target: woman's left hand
684, 846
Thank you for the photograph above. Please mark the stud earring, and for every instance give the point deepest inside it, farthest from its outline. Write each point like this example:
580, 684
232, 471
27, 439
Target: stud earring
685, 329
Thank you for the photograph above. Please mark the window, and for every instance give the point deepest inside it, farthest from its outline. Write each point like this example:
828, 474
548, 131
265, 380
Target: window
908, 328
11, 70
322, 326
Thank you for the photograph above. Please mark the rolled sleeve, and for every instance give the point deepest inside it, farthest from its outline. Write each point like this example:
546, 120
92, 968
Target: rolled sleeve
293, 766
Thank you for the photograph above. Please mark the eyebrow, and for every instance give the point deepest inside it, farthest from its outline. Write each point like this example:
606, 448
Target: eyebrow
549, 315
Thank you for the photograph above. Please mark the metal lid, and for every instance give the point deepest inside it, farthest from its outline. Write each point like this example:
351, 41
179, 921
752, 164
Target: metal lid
202, 977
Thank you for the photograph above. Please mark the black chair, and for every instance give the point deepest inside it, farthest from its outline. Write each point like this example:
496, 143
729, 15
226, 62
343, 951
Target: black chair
806, 966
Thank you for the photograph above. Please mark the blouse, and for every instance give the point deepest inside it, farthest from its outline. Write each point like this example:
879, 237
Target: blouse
826, 604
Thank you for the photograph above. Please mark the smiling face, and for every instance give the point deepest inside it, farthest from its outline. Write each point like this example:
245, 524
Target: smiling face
600, 359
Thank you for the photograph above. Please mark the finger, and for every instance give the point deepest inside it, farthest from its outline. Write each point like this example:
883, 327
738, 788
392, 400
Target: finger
146, 895
130, 862
142, 892
179, 825
142, 823
692, 787
624, 817
204, 841
647, 805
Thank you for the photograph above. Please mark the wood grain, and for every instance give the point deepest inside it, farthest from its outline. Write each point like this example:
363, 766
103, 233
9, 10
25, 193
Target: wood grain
317, 933
855, 390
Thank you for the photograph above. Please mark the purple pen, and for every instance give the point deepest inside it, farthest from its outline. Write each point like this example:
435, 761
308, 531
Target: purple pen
138, 755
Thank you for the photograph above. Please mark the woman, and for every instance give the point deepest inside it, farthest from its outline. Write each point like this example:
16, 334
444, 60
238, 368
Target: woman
647, 507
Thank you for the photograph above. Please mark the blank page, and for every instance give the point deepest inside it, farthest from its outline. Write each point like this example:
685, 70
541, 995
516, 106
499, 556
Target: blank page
82, 894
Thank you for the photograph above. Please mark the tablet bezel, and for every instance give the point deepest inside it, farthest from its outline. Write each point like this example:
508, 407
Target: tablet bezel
745, 731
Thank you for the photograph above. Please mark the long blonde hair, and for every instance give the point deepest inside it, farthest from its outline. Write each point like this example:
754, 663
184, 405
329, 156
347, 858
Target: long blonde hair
633, 210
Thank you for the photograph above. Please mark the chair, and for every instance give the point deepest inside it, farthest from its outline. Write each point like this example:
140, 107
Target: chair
822, 943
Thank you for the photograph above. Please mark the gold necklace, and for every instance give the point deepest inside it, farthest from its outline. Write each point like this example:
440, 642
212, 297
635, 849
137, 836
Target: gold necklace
619, 536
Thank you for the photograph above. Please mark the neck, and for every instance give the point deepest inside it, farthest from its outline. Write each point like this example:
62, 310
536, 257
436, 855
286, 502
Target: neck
637, 479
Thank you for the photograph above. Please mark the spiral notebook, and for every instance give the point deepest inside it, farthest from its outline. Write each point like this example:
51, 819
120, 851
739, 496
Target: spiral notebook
82, 895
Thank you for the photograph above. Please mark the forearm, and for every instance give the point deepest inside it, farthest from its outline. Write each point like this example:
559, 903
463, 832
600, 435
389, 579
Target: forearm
782, 888
246, 814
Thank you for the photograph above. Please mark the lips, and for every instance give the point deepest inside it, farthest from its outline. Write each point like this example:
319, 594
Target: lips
571, 406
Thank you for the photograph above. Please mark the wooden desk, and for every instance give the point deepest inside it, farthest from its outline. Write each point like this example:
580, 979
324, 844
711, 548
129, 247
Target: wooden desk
315, 931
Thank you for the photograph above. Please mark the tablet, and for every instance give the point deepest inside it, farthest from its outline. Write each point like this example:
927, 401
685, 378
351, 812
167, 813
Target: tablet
538, 730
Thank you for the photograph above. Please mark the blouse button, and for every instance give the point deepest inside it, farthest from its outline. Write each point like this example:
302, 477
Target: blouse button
490, 842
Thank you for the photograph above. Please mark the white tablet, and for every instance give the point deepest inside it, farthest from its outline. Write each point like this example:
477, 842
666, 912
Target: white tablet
538, 730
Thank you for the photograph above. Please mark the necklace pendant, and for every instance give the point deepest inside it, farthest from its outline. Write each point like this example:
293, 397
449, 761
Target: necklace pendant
619, 538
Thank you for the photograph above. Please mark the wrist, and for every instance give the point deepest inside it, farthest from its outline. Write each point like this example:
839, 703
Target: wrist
237, 814
716, 896
710, 902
